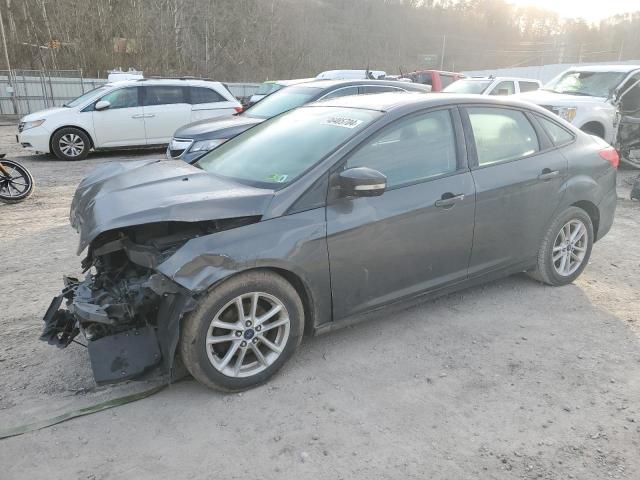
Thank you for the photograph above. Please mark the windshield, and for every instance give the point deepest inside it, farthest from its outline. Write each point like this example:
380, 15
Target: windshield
468, 86
268, 87
86, 96
278, 151
281, 101
593, 84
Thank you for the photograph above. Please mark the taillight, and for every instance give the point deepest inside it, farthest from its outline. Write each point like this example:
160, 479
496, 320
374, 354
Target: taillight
610, 155
238, 109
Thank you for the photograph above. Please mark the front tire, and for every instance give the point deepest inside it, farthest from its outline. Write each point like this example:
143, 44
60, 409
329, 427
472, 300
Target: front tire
565, 249
242, 331
70, 144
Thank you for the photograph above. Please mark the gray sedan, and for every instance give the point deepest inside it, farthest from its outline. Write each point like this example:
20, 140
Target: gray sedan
312, 219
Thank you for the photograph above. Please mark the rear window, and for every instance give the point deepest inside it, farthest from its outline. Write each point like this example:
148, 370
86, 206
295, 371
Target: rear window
205, 95
267, 88
281, 101
163, 95
468, 86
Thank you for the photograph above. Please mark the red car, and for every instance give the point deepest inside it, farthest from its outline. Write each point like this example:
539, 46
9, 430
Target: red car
436, 78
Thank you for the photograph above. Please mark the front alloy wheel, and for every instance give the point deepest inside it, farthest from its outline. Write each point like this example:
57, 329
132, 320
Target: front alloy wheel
242, 331
71, 145
248, 334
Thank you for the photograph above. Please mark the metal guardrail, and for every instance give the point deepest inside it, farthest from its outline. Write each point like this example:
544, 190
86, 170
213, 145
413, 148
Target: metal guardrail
35, 90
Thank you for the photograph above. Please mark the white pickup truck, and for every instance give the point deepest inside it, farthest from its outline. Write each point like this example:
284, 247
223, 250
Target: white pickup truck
587, 97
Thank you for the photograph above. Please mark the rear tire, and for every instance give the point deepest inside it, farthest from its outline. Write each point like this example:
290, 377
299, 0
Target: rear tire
70, 144
565, 249
228, 351
19, 187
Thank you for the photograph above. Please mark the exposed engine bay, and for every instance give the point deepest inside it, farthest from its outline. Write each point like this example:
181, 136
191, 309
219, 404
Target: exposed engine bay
128, 312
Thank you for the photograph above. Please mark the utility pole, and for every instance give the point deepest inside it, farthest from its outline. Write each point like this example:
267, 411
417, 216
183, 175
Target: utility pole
621, 48
6, 58
444, 44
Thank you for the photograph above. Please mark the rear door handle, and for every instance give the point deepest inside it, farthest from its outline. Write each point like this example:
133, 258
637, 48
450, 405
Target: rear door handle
548, 174
150, 115
449, 200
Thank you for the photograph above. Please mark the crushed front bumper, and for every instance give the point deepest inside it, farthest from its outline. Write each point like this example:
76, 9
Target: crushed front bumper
124, 354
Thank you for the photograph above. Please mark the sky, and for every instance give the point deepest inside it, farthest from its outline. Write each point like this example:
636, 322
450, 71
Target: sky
590, 10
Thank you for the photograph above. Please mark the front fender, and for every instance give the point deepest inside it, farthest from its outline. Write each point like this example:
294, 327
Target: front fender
295, 243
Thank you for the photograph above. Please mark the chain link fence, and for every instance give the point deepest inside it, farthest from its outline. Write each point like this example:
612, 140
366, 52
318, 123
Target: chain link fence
27, 91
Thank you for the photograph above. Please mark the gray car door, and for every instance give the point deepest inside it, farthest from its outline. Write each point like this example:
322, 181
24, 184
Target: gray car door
519, 179
417, 235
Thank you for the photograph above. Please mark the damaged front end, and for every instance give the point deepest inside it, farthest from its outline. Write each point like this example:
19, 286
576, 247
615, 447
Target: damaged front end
128, 313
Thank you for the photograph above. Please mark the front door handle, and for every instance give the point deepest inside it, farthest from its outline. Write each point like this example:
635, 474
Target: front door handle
139, 115
548, 174
449, 200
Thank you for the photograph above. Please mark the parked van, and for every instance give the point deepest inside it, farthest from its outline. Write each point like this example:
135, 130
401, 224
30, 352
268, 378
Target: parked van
132, 113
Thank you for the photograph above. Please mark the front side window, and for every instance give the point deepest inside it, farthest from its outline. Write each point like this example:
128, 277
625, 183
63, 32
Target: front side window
205, 95
501, 134
281, 101
559, 135
277, 151
122, 98
411, 149
504, 88
163, 95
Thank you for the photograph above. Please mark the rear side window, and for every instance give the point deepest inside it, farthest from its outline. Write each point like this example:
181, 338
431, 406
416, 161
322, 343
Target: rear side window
501, 134
504, 88
411, 150
528, 86
205, 95
164, 95
559, 135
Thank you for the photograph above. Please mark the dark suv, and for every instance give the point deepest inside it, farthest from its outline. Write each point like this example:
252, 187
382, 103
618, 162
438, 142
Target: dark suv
192, 141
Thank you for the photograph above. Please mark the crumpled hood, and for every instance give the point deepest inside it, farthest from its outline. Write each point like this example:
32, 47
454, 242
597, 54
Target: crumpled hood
117, 195
545, 97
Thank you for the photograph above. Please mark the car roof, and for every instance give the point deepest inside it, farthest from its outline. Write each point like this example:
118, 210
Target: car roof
621, 68
385, 102
324, 84
164, 81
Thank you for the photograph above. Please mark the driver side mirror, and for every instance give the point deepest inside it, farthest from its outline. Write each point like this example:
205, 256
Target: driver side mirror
102, 105
362, 182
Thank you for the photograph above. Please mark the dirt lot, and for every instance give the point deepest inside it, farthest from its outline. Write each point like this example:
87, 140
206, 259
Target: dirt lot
510, 380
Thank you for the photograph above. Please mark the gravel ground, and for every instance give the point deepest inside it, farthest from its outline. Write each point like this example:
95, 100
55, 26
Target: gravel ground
509, 380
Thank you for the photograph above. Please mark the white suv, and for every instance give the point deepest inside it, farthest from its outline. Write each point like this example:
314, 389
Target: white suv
132, 113
585, 96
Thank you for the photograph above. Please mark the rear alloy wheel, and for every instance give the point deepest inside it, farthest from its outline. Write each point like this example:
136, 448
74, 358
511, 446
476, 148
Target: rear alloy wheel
243, 331
565, 249
70, 144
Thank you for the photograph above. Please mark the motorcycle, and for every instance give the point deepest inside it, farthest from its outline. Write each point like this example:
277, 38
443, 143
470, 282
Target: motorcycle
16, 183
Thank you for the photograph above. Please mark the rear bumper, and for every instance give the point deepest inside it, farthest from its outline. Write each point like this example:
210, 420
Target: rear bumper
35, 139
607, 210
